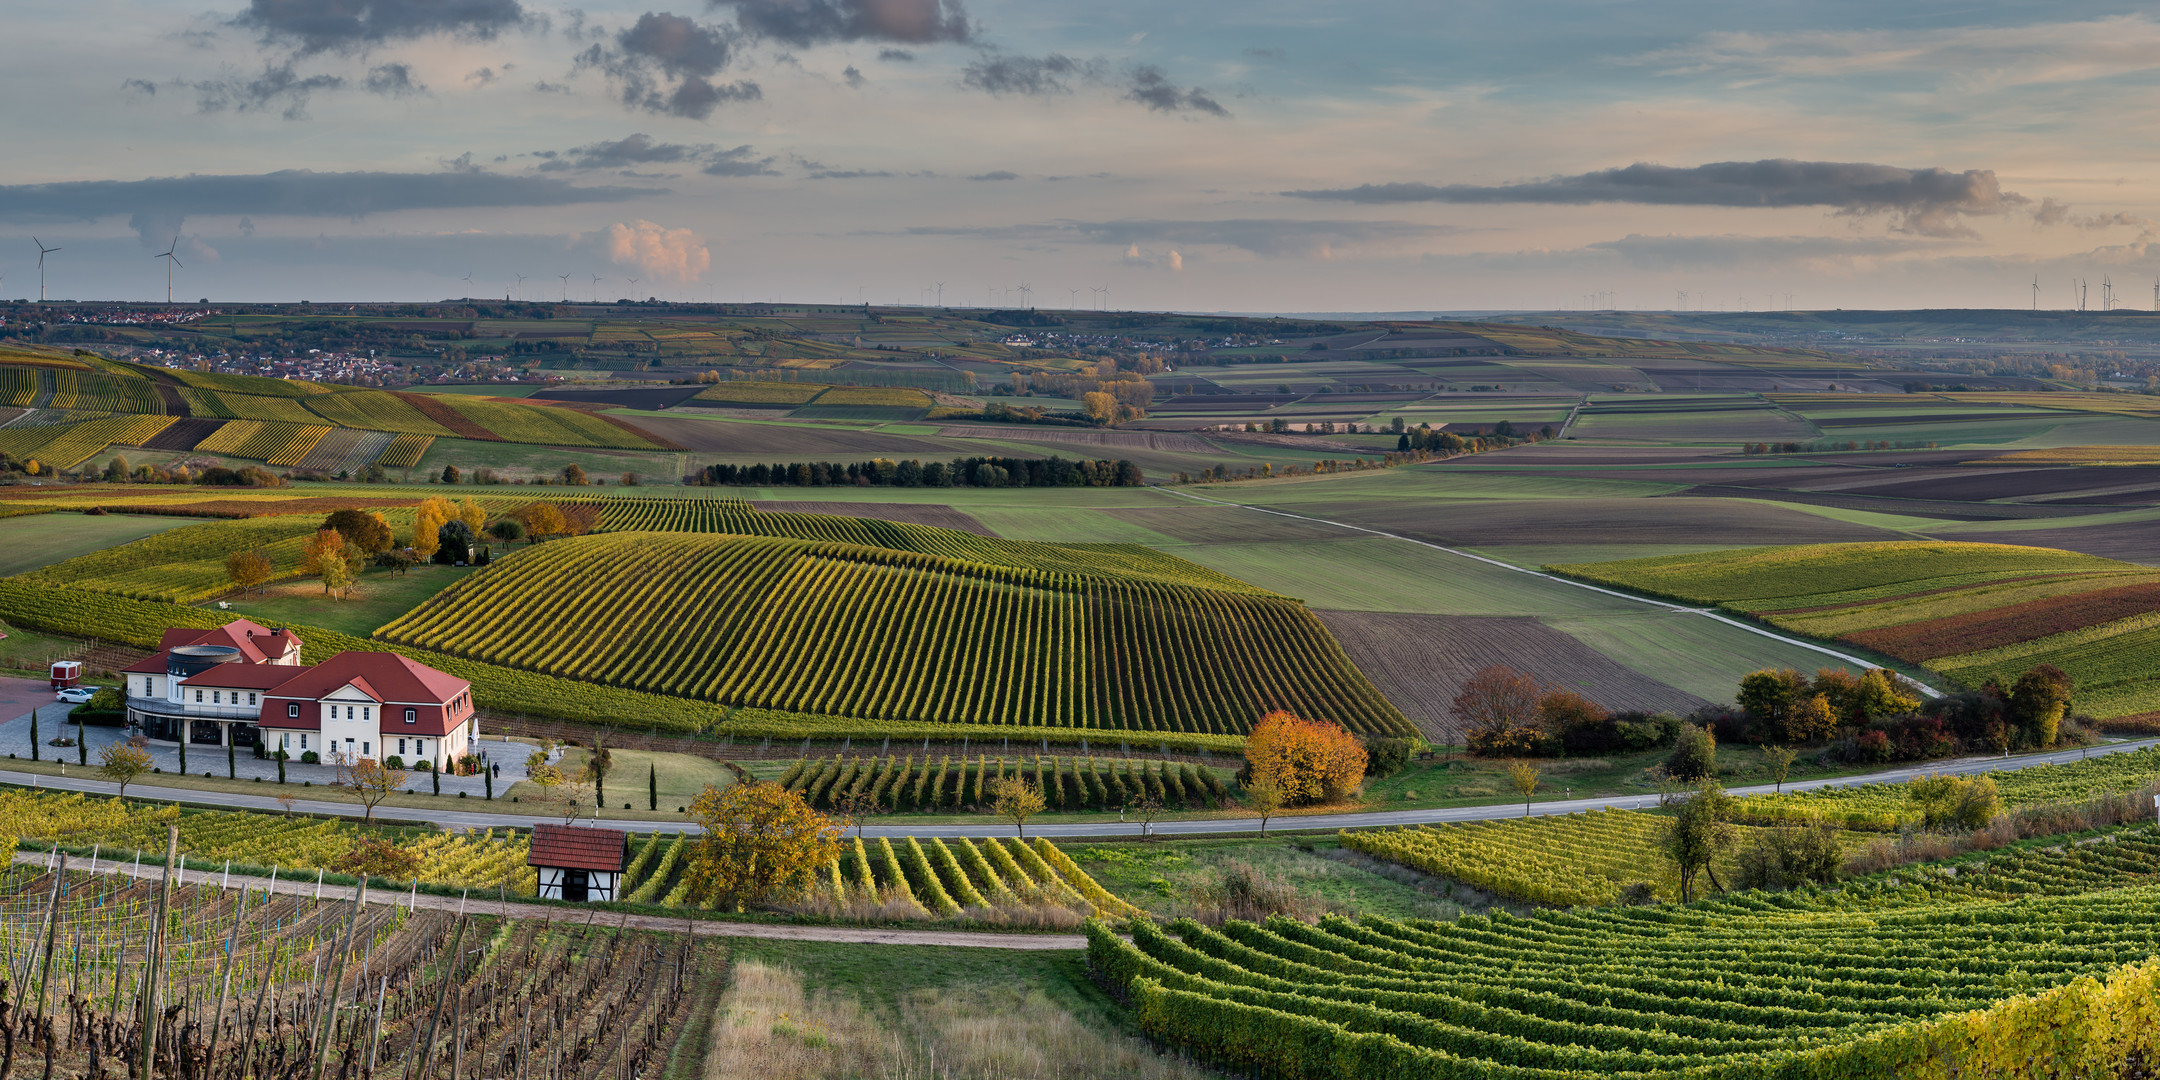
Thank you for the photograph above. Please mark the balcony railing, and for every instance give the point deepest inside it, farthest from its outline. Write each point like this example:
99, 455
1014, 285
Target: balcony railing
202, 711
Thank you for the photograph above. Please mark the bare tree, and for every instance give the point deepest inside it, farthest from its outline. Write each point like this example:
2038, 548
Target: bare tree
372, 782
124, 761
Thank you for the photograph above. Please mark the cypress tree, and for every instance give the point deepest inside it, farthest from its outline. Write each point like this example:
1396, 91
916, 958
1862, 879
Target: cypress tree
82, 742
232, 762
33, 735
652, 787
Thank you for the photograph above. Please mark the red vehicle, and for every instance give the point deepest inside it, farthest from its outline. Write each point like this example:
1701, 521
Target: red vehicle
66, 673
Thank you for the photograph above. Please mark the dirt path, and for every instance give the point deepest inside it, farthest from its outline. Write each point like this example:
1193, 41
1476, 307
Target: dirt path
961, 939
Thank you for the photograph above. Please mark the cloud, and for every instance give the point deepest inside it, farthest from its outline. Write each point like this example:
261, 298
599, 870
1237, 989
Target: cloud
1032, 76
140, 86
740, 161
1266, 237
278, 87
997, 174
2058, 52
314, 26
485, 76
1258, 53
804, 23
634, 149
895, 56
853, 77
1732, 251
658, 252
640, 149
1148, 85
1054, 74
661, 49
393, 80
156, 207
1931, 202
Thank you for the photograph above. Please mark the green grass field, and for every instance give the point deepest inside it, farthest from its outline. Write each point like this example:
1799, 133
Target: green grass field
377, 597
27, 543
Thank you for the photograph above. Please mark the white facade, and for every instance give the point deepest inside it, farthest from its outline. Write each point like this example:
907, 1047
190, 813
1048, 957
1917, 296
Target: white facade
557, 883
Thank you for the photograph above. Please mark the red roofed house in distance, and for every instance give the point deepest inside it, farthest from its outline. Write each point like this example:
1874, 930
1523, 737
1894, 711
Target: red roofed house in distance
243, 684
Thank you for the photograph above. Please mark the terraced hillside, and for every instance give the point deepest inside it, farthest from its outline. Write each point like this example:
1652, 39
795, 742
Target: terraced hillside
850, 630
1973, 612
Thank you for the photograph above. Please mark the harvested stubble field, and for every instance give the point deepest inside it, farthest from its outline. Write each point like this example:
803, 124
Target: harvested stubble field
1421, 662
934, 515
1970, 611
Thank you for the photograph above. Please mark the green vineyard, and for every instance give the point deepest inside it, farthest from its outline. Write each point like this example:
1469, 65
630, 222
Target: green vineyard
844, 630
1886, 807
68, 444
950, 783
1803, 984
188, 563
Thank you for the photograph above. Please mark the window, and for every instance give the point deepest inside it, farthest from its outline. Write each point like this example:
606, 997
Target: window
251, 697
303, 735
365, 748
401, 747
198, 697
293, 711
217, 697
412, 716
367, 712
148, 686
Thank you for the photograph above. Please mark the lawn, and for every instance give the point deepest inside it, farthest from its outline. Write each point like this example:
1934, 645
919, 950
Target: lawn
1176, 877
27, 543
682, 777
380, 596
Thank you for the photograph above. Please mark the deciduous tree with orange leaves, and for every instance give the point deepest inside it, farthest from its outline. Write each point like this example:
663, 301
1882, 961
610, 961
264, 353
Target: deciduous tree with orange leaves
1309, 760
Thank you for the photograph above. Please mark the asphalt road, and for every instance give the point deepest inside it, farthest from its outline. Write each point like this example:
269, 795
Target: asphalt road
476, 819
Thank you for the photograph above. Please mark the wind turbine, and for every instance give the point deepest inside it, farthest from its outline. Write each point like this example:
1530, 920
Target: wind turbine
633, 288
1073, 300
171, 260
1027, 293
42, 251
467, 279
565, 287
941, 293
521, 286
596, 280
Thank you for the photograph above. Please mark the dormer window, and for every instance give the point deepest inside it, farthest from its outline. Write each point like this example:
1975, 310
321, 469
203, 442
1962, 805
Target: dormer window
412, 716
292, 711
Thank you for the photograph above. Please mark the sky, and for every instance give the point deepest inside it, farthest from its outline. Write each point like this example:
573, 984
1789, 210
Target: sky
1140, 154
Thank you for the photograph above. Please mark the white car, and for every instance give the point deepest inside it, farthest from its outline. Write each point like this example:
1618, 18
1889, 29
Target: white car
76, 695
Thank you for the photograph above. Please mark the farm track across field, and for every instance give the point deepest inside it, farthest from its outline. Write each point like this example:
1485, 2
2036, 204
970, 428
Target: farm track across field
1812, 647
478, 905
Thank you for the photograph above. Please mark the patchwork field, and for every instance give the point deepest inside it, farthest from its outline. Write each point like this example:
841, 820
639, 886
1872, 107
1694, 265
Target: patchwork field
1973, 612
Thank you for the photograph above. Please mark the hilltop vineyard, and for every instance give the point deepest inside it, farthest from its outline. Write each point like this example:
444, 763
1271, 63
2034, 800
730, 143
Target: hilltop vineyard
843, 630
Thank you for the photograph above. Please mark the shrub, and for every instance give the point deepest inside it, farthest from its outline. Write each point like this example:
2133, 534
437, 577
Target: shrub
1789, 856
310, 758
1694, 755
393, 762
1386, 757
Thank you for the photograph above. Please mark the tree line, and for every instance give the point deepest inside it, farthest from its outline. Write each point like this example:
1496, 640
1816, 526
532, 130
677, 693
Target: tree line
959, 472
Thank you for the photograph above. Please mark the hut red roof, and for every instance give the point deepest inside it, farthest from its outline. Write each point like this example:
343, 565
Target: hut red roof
578, 848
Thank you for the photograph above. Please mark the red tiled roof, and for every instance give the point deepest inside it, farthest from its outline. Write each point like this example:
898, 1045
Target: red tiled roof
244, 676
577, 848
388, 676
257, 643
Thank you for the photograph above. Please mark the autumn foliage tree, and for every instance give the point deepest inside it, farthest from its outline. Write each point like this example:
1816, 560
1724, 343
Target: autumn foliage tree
759, 838
248, 569
428, 521
1309, 760
369, 532
332, 558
